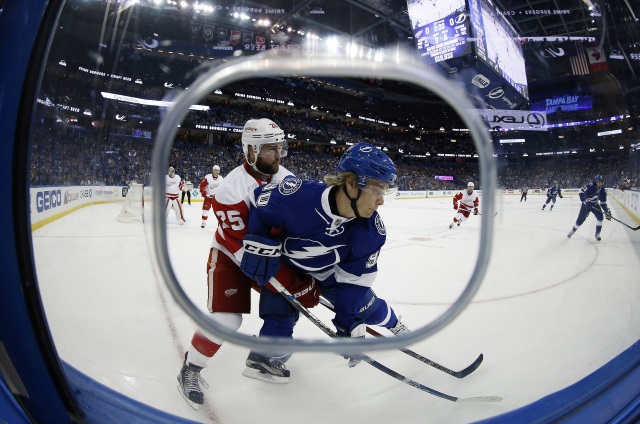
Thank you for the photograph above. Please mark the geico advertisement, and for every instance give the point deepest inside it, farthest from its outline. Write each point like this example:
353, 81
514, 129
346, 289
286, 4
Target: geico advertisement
48, 201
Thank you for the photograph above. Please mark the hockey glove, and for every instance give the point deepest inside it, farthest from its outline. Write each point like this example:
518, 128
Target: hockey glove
455, 206
475, 211
607, 215
261, 258
356, 330
302, 286
560, 195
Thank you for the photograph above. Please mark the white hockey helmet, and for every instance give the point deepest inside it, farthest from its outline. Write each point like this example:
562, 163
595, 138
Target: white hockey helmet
471, 185
172, 171
257, 132
216, 168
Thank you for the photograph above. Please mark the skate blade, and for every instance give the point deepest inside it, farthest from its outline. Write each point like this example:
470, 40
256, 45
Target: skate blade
263, 376
192, 404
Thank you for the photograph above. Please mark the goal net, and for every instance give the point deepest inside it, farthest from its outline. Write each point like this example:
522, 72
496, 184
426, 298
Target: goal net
133, 206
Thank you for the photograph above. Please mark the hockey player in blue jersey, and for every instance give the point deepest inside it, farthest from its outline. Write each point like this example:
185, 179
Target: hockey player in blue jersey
331, 231
552, 192
591, 195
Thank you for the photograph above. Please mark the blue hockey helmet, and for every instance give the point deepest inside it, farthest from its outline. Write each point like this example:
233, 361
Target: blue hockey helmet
598, 177
367, 161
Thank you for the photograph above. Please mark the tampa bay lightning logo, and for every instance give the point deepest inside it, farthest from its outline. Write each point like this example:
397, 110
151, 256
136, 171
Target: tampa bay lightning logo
311, 255
289, 186
380, 226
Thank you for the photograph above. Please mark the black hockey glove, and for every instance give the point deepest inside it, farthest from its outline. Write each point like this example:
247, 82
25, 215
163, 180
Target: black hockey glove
607, 215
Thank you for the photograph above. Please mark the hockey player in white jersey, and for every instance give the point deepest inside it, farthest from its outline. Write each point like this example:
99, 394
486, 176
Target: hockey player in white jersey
264, 145
208, 187
173, 188
465, 202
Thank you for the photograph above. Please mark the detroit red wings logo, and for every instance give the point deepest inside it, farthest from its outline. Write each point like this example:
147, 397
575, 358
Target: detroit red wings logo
235, 37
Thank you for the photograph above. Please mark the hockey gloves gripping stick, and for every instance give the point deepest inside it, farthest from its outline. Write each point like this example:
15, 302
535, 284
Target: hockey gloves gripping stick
607, 215
261, 258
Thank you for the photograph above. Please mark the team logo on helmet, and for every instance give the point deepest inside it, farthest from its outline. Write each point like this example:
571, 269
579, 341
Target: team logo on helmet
289, 186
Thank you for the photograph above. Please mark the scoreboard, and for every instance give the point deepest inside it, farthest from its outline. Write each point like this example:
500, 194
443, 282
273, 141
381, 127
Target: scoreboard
441, 30
444, 39
476, 45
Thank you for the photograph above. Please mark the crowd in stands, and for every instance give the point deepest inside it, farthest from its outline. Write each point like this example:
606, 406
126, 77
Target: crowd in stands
112, 144
67, 155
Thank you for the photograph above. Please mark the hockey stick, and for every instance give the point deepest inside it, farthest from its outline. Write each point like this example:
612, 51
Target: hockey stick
615, 219
494, 214
469, 210
298, 306
459, 374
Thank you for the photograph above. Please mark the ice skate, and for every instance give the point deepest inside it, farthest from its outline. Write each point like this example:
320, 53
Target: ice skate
265, 368
399, 328
572, 232
451, 225
598, 238
202, 226
189, 384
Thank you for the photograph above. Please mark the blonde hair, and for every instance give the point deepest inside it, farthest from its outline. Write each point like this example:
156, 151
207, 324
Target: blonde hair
340, 179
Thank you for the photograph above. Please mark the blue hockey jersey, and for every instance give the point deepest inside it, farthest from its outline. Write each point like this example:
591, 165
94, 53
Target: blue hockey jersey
591, 194
340, 253
554, 191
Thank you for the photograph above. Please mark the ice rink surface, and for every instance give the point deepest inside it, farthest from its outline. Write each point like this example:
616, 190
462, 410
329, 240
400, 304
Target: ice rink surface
550, 311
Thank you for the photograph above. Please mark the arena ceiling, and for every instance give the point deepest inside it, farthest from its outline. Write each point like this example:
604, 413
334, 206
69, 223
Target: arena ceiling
384, 23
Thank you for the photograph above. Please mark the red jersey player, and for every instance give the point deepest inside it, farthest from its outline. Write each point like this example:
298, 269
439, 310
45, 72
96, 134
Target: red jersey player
229, 295
208, 187
464, 202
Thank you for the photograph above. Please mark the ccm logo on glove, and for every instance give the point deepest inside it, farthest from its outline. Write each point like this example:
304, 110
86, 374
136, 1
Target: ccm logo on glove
262, 249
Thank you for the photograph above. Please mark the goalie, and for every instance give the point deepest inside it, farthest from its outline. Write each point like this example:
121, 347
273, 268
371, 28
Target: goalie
173, 188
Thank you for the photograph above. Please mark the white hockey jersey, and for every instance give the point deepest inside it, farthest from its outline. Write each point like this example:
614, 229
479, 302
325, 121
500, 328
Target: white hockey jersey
209, 184
173, 186
466, 201
231, 204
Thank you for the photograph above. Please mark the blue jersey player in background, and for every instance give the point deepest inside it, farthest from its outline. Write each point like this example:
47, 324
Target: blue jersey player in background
591, 195
552, 192
331, 231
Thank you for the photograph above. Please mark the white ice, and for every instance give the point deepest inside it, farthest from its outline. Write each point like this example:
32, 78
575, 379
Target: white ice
550, 311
